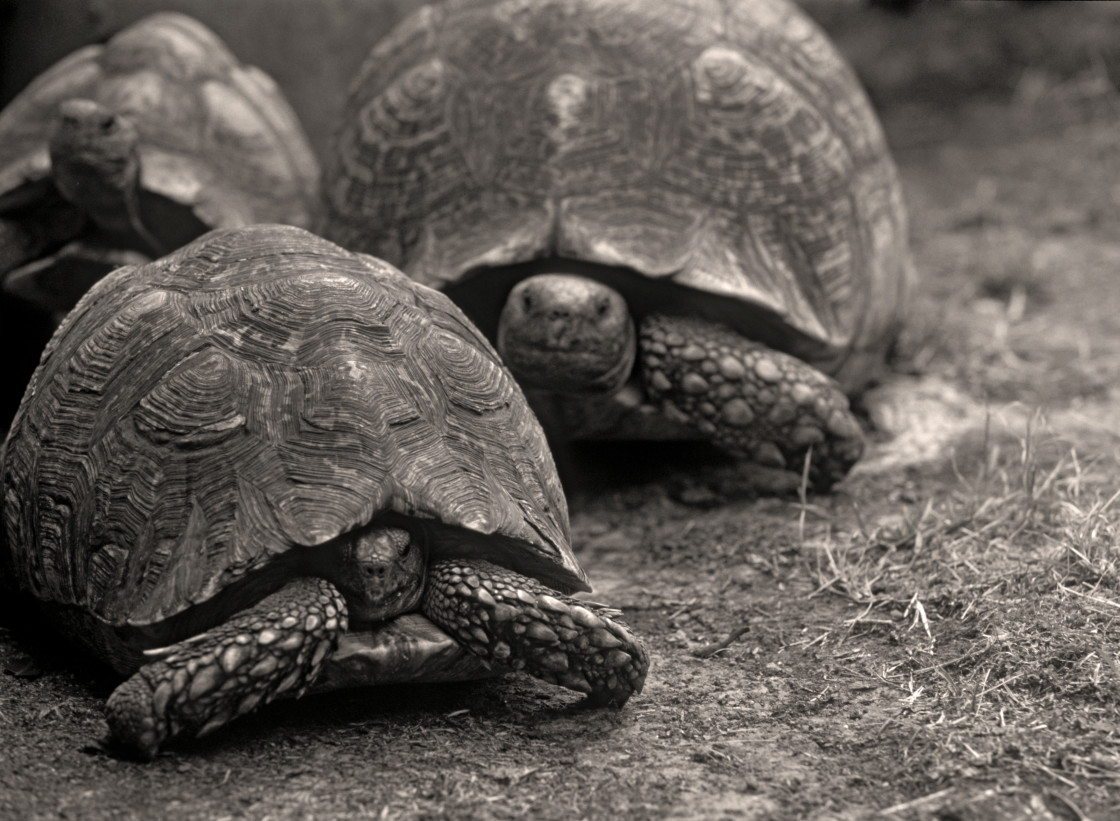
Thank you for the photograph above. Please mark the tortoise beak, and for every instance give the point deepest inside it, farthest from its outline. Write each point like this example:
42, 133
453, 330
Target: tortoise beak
383, 572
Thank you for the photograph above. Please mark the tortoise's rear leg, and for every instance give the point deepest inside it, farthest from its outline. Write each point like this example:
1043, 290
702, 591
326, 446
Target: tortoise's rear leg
516, 621
275, 647
749, 399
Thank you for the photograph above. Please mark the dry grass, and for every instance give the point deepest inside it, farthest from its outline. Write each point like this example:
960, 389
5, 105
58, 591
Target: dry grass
1001, 592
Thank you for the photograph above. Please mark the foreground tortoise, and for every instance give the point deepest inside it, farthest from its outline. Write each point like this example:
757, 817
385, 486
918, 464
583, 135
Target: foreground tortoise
679, 217
125, 151
233, 456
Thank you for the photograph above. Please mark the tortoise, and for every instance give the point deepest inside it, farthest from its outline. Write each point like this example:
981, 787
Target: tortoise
677, 219
235, 457
310, 49
125, 151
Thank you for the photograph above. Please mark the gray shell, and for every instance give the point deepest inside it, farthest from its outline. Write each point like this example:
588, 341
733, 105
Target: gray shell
198, 421
722, 147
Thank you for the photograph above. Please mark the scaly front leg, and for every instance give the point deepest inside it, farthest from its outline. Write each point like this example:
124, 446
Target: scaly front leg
506, 617
749, 399
276, 647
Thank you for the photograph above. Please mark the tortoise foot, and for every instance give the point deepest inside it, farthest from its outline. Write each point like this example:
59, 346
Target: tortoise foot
755, 402
511, 619
275, 647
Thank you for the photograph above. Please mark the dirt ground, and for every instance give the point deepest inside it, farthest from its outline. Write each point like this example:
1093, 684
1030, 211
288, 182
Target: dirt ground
938, 639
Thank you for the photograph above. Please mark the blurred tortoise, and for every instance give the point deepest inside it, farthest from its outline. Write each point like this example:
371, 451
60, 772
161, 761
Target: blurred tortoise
126, 151
679, 217
234, 457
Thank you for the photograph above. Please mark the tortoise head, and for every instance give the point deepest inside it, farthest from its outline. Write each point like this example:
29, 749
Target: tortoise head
95, 156
568, 333
380, 570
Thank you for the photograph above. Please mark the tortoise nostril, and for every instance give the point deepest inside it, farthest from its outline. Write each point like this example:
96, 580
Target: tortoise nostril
527, 301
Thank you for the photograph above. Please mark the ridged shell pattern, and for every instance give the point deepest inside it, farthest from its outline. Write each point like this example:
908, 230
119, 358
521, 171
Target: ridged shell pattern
722, 144
215, 135
259, 390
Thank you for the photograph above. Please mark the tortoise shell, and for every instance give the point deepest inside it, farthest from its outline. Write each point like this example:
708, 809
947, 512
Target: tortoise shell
200, 422
722, 155
216, 137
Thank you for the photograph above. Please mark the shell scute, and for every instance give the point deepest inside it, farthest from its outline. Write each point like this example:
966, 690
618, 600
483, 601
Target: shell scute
182, 49
196, 404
